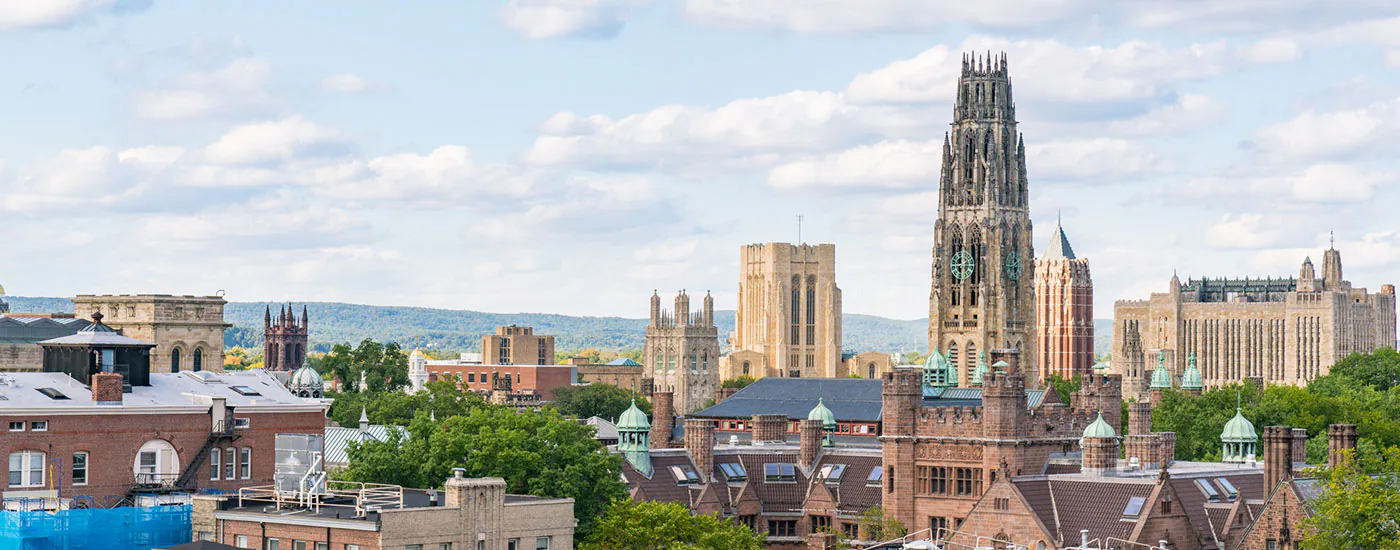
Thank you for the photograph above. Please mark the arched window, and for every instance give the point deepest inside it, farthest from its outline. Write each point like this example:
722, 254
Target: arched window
175, 360
198, 360
953, 353
871, 369
971, 359
156, 462
746, 367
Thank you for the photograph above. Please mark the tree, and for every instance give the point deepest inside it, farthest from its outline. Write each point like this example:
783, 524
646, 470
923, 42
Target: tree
1379, 370
383, 366
1064, 388
441, 399
1360, 508
739, 383
876, 526
597, 399
537, 453
630, 525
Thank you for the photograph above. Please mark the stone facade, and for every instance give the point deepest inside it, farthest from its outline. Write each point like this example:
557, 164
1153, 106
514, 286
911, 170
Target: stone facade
515, 345
625, 374
681, 352
1279, 331
789, 314
285, 339
1064, 311
870, 364
981, 299
188, 331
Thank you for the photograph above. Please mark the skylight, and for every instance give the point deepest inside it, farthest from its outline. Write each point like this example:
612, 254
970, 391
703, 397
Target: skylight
685, 475
1230, 491
1208, 490
245, 390
53, 393
832, 472
1134, 507
876, 473
733, 471
779, 472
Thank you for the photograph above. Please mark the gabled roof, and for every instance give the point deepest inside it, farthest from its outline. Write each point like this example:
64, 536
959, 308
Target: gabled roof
1059, 248
623, 362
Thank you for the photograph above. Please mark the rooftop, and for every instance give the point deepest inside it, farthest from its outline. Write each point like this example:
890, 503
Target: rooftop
849, 399
248, 391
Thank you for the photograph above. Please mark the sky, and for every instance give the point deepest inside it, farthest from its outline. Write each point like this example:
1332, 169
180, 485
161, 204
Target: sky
571, 156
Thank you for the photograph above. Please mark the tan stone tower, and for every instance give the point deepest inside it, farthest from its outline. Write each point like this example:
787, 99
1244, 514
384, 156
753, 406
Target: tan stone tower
983, 296
789, 318
1064, 312
681, 353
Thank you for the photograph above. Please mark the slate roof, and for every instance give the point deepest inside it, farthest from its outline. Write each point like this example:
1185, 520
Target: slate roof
1196, 504
32, 330
604, 428
1059, 248
850, 399
623, 362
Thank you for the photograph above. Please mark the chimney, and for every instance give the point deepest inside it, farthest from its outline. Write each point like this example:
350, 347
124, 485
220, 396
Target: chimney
107, 388
1167, 449
723, 393
663, 419
810, 436
1341, 438
463, 492
1139, 418
768, 428
1278, 457
1100, 455
700, 441
1300, 450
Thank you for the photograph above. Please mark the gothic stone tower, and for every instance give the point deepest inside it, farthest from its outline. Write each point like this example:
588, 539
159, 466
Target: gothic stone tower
681, 353
983, 296
789, 309
284, 339
1064, 312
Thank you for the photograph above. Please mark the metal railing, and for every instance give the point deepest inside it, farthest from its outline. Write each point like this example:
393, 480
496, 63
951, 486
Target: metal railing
153, 480
362, 497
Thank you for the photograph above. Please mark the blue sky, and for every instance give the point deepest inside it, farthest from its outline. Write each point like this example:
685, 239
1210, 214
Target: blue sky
572, 155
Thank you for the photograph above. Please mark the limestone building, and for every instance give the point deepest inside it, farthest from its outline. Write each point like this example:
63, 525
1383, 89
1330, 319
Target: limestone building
1064, 311
516, 345
188, 331
1277, 330
284, 339
788, 322
682, 352
981, 298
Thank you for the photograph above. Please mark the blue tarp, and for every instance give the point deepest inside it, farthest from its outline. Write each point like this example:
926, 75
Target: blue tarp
125, 528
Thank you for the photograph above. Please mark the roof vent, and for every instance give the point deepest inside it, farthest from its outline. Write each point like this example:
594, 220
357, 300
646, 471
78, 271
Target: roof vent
204, 376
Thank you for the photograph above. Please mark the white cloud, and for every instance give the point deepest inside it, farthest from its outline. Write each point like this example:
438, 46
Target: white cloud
560, 18
580, 206
1313, 134
448, 174
77, 180
1336, 183
277, 141
887, 164
666, 252
1272, 50
1246, 231
237, 87
278, 221
1189, 112
350, 83
1091, 159
20, 14
840, 16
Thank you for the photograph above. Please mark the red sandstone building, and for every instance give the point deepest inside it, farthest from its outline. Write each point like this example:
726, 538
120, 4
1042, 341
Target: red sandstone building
99, 424
1064, 312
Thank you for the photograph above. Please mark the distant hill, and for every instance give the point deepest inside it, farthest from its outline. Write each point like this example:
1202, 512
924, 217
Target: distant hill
448, 329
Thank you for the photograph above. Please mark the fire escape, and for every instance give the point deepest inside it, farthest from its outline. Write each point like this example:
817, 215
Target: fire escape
221, 433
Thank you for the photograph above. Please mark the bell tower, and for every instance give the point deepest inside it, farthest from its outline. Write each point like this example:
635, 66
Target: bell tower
982, 296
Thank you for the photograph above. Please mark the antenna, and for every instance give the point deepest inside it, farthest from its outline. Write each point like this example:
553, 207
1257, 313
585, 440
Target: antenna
799, 229
1332, 238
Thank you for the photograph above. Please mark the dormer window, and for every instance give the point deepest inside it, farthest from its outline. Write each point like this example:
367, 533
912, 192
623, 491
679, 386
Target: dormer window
685, 475
779, 472
733, 472
831, 473
1208, 490
1231, 493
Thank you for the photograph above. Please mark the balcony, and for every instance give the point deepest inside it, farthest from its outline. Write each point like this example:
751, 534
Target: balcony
153, 482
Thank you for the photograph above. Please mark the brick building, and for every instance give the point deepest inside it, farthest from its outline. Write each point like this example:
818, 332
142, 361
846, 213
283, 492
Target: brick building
1064, 311
486, 378
516, 345
466, 513
162, 432
1280, 330
188, 331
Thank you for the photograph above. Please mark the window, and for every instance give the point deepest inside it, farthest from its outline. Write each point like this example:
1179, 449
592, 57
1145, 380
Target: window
413, 547
53, 394
245, 462
244, 390
352, 547
748, 521
819, 523
782, 527
850, 530
298, 545
889, 485
273, 544
448, 545
17, 426
146, 462
1230, 491
685, 475
323, 546
969, 481
199, 366
240, 541
80, 468
39, 425
214, 455
931, 480
230, 464
1001, 503
513, 544
1208, 490
831, 473
541, 543
1134, 507
873, 480
205, 535
746, 367
938, 527
779, 472
733, 471
27, 469
175, 360
471, 378
242, 423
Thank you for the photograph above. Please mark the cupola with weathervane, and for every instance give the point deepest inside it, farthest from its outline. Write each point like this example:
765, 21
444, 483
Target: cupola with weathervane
633, 438
1238, 440
938, 371
820, 412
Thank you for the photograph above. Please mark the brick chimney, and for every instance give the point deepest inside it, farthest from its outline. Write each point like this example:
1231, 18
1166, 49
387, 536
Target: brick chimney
1100, 455
769, 428
663, 419
700, 441
1139, 418
1166, 450
1300, 447
810, 435
107, 388
1278, 457
1340, 437
723, 393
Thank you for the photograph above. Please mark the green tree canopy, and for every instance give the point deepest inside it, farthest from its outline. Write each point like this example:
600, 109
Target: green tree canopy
384, 366
741, 382
630, 525
442, 399
1360, 508
537, 453
604, 400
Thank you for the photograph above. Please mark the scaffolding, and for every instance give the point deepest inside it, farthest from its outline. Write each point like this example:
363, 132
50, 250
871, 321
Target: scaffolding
39, 526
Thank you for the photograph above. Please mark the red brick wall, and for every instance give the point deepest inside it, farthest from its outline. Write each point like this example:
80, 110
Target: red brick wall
286, 534
542, 378
112, 442
1283, 513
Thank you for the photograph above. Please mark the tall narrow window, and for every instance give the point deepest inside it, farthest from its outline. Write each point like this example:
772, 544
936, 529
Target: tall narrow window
230, 463
245, 462
80, 468
198, 360
796, 318
175, 360
214, 456
811, 311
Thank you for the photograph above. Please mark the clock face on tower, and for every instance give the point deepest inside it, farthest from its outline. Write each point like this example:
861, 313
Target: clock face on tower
1013, 266
963, 265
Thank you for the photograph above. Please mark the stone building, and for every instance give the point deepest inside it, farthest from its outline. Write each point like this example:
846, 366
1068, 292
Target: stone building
1064, 311
516, 345
682, 351
981, 299
1279, 523
1277, 330
188, 331
621, 372
20, 335
788, 322
465, 513
284, 339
